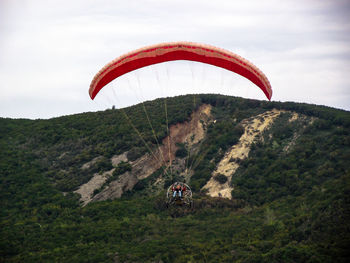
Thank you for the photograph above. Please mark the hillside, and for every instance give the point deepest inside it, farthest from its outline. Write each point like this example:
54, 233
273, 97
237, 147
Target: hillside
271, 183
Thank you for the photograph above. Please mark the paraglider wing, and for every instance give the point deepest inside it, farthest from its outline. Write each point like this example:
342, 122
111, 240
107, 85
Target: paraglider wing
179, 51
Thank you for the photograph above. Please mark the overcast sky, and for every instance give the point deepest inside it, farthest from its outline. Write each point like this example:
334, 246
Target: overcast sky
51, 49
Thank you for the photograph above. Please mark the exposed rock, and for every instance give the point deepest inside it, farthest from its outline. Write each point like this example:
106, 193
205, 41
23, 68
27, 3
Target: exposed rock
116, 159
91, 163
228, 165
86, 190
294, 117
116, 188
141, 168
306, 120
62, 155
190, 133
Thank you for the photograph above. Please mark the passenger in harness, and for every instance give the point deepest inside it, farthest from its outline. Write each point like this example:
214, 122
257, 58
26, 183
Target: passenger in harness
177, 190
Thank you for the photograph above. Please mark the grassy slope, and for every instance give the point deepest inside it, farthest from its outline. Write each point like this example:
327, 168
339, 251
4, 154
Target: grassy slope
289, 206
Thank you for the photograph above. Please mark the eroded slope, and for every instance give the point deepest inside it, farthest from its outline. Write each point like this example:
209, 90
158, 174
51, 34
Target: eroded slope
253, 128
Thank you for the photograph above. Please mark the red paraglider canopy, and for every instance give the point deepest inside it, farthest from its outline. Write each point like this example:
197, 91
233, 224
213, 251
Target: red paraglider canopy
179, 51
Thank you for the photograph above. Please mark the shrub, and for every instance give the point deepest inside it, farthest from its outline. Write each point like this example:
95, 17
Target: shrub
122, 168
220, 178
181, 151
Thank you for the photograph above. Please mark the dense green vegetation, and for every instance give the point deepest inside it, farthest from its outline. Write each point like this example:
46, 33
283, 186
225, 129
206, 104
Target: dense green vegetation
291, 196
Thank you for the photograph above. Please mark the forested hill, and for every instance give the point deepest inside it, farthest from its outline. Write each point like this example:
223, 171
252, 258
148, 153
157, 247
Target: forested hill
271, 183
